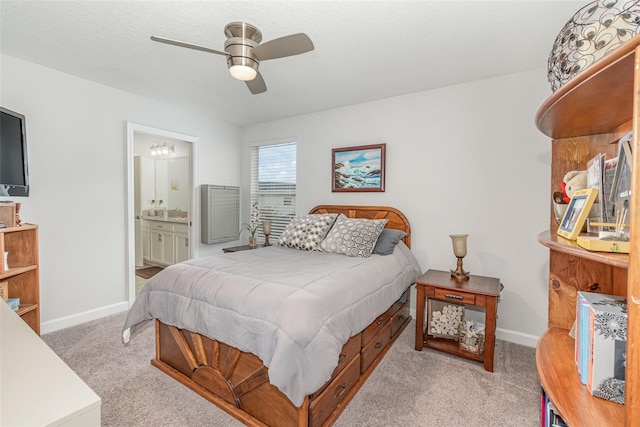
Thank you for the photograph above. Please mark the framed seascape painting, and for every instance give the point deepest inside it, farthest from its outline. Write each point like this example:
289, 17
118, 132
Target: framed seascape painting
358, 168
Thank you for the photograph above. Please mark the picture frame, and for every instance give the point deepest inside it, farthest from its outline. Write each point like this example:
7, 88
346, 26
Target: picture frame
576, 213
358, 169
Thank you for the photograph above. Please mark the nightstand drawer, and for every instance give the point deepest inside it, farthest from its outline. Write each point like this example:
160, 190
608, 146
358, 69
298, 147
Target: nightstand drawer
453, 296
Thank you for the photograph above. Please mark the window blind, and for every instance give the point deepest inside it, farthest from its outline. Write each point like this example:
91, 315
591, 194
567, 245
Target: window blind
273, 185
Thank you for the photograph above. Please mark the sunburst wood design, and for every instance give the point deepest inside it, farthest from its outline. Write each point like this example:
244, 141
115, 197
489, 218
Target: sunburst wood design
216, 377
238, 382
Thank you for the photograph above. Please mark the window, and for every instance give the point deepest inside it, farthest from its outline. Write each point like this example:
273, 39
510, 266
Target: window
273, 184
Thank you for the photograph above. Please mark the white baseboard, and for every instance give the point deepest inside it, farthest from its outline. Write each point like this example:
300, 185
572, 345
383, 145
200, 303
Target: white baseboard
76, 319
65, 322
517, 337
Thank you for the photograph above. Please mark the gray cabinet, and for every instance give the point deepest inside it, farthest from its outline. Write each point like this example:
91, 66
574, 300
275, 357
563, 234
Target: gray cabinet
220, 213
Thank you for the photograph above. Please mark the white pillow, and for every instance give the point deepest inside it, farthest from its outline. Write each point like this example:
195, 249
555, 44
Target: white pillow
353, 236
306, 232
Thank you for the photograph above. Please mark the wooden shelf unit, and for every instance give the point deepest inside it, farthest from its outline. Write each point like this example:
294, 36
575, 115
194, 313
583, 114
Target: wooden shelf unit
23, 273
585, 117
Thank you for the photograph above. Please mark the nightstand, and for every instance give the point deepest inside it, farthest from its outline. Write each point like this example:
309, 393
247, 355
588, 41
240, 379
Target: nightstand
240, 248
477, 291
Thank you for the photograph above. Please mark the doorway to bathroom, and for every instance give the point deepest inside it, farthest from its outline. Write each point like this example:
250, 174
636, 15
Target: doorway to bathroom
160, 202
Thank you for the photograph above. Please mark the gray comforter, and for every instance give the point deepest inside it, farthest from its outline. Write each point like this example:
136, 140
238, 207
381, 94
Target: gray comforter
293, 309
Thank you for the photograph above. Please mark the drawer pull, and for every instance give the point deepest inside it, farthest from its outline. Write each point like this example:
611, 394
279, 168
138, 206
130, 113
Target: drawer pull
343, 388
378, 344
380, 321
401, 317
342, 357
451, 296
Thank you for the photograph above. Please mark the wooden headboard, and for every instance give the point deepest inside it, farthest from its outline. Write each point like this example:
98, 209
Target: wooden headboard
397, 220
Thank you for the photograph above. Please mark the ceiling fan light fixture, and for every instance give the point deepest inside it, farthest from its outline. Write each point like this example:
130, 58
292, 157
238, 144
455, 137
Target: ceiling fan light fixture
242, 62
243, 72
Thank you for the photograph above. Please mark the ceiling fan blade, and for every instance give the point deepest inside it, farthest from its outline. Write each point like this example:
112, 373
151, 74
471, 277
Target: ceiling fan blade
257, 85
293, 44
187, 45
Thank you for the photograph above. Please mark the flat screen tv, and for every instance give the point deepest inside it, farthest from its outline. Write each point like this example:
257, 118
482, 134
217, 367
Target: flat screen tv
14, 173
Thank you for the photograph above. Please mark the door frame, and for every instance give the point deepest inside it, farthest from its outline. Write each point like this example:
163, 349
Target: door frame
194, 213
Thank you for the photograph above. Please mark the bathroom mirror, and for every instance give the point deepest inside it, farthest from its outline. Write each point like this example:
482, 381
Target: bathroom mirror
171, 183
164, 177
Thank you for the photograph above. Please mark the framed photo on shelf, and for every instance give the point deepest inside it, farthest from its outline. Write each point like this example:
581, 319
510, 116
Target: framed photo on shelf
576, 213
358, 168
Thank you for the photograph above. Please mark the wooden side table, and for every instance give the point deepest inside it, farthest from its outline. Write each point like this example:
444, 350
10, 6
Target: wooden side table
240, 248
478, 291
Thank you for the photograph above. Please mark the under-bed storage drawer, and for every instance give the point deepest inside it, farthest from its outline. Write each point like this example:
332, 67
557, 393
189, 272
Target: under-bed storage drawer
374, 328
375, 346
399, 317
350, 350
321, 407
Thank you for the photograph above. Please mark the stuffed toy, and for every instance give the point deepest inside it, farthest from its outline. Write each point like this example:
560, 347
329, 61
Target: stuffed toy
572, 182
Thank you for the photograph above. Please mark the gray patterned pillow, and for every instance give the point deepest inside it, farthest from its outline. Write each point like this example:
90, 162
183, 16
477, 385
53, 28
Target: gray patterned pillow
306, 232
353, 236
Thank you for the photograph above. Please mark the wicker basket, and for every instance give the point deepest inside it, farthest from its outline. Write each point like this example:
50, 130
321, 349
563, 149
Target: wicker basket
472, 342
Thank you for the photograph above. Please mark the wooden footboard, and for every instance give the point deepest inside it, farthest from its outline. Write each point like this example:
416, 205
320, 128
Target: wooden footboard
238, 382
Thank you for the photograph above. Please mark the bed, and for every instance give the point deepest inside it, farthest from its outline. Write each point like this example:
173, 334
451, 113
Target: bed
280, 336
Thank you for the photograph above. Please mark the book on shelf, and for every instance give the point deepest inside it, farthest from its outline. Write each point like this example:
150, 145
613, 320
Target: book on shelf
586, 346
620, 195
606, 344
595, 179
610, 166
582, 338
577, 335
549, 415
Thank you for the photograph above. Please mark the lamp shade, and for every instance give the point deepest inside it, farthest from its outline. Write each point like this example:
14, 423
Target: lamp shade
594, 31
459, 244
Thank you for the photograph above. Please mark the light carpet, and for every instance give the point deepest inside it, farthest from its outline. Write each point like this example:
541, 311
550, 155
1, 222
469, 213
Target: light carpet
408, 388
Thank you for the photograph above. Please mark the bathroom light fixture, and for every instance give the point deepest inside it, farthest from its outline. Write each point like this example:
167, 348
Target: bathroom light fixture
162, 149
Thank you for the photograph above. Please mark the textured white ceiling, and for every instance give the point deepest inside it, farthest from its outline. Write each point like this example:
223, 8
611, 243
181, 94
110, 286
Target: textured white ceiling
364, 50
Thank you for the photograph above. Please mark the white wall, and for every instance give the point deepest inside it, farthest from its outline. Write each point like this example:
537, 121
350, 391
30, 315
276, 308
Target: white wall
76, 132
466, 158
461, 159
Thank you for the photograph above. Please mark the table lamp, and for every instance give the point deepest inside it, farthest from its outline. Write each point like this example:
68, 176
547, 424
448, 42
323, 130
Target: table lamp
460, 251
266, 230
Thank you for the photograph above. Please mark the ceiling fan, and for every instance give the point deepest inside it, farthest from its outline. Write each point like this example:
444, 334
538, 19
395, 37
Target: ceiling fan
244, 51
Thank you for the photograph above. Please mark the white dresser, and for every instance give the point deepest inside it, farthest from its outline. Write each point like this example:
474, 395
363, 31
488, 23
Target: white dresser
36, 387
